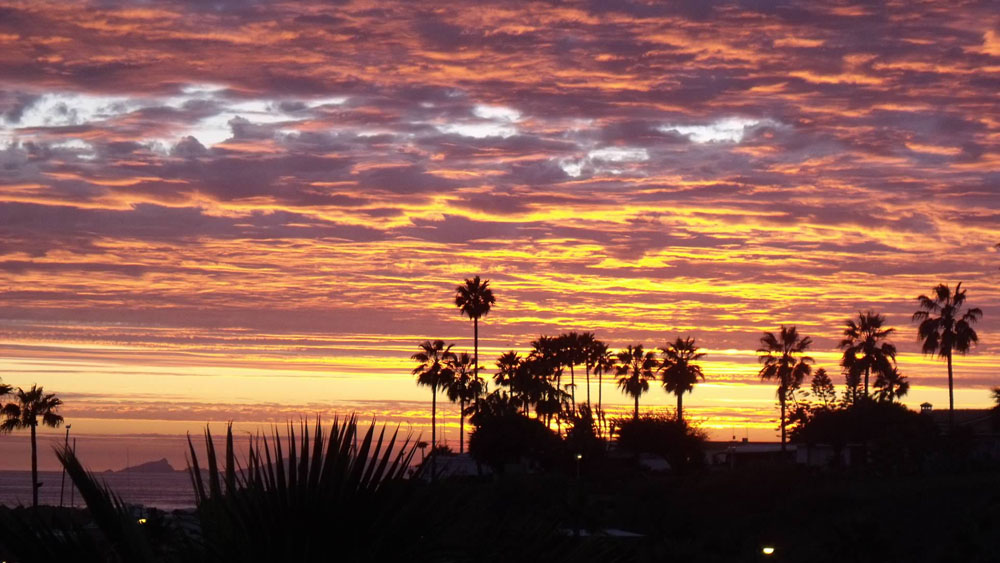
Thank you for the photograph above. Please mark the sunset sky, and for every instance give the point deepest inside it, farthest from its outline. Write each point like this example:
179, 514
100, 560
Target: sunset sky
255, 211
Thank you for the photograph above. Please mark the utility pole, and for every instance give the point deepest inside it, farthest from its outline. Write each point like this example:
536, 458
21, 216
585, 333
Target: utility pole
62, 484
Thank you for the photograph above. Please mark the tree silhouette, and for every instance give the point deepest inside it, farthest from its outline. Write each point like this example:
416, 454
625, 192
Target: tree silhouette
604, 362
434, 371
28, 409
507, 365
464, 387
865, 347
572, 351
891, 386
588, 346
635, 369
678, 370
944, 329
782, 360
475, 299
823, 389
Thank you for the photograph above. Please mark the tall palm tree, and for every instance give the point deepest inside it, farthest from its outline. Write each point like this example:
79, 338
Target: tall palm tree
865, 348
587, 347
475, 299
945, 329
635, 369
604, 362
891, 386
679, 372
28, 409
434, 371
464, 387
782, 360
571, 353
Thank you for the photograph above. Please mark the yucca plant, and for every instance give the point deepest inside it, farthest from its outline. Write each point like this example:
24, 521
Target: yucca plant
330, 497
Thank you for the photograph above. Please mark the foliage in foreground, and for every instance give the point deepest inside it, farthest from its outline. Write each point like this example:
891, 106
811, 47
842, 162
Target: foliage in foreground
308, 497
342, 491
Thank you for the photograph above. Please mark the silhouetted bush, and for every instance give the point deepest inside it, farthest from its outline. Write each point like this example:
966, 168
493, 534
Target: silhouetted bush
891, 435
581, 436
681, 444
499, 439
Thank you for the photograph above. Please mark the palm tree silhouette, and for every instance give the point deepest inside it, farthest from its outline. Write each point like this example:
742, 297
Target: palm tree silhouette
29, 408
865, 348
587, 347
571, 352
507, 365
635, 369
782, 360
945, 329
434, 371
604, 362
465, 387
679, 371
475, 299
891, 386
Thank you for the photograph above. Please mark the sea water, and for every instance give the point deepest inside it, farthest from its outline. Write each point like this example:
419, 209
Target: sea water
166, 490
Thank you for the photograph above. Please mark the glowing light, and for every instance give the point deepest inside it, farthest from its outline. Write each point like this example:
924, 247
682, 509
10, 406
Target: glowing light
768, 550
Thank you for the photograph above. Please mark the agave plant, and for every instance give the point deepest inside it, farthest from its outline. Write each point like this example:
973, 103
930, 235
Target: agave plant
339, 496
336, 496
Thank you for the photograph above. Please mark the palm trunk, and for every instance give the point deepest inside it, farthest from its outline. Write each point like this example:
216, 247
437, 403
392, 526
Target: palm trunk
867, 371
782, 401
951, 395
588, 386
635, 415
461, 427
434, 397
34, 469
680, 407
600, 379
475, 345
572, 383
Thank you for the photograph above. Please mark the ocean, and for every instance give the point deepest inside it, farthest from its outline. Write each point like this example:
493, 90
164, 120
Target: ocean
166, 491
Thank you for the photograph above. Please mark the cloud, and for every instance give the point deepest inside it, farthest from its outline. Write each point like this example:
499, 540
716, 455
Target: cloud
631, 168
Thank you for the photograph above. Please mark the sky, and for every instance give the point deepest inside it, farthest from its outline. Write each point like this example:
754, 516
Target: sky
256, 211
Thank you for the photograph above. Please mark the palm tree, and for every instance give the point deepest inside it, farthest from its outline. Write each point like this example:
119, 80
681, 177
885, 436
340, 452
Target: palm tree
465, 387
587, 347
680, 373
507, 365
865, 348
434, 371
604, 362
572, 351
475, 299
29, 408
635, 369
945, 329
891, 386
782, 359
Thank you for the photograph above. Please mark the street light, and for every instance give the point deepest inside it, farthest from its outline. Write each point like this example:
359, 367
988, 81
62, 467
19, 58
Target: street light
767, 550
